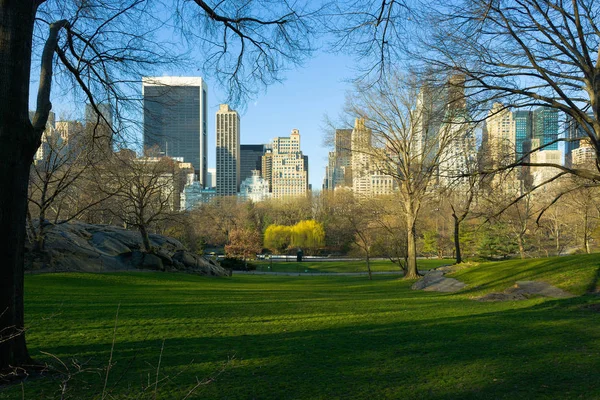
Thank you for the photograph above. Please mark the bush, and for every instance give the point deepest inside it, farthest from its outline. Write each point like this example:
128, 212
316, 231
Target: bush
237, 264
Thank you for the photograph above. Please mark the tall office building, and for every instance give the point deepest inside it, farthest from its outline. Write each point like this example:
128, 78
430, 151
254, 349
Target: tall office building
228, 151
289, 167
250, 159
545, 127
175, 119
523, 131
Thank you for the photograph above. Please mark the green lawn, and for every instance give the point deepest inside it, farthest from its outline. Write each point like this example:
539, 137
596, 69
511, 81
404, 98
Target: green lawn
324, 337
344, 266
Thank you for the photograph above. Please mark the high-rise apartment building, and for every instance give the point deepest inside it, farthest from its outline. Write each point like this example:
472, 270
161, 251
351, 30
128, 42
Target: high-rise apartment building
584, 155
266, 170
250, 159
457, 153
175, 119
289, 167
228, 151
539, 175
501, 136
362, 160
428, 117
574, 131
338, 172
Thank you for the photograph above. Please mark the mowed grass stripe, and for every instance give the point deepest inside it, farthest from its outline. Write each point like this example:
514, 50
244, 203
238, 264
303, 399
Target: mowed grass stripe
319, 337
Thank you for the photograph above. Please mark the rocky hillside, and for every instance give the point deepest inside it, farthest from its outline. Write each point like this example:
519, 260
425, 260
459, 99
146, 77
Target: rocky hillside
84, 247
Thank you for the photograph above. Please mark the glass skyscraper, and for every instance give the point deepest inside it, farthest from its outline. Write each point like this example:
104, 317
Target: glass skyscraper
175, 119
523, 131
545, 127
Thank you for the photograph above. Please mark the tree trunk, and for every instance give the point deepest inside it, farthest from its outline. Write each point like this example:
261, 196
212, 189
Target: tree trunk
457, 240
411, 265
145, 238
369, 266
18, 143
521, 246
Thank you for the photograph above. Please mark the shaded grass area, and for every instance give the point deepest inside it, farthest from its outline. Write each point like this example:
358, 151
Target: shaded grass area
318, 337
308, 266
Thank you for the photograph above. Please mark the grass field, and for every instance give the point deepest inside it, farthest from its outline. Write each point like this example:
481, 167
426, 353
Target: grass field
308, 266
323, 337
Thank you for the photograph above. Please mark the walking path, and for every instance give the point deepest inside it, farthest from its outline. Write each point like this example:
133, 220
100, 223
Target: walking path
315, 273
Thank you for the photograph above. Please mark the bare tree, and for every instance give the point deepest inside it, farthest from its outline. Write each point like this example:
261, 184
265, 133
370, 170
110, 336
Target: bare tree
102, 47
143, 191
411, 142
58, 182
359, 215
525, 53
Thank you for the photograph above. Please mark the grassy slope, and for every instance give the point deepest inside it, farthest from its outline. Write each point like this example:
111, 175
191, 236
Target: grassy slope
344, 266
575, 274
321, 337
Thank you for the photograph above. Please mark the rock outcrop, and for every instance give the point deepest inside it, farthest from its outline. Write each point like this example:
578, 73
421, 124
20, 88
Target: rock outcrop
525, 289
434, 280
85, 247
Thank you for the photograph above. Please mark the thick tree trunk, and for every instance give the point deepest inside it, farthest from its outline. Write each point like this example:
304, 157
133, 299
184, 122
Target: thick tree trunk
18, 142
457, 240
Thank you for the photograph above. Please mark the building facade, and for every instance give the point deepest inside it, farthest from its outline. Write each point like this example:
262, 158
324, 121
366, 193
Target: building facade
175, 119
250, 159
228, 151
289, 167
338, 172
254, 188
545, 127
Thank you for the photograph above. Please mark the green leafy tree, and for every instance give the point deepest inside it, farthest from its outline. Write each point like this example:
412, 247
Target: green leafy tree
277, 238
430, 243
308, 234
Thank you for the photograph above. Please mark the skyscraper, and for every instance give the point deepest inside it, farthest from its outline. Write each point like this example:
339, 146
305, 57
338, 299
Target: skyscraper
250, 159
175, 119
362, 163
457, 151
501, 136
545, 127
523, 131
228, 151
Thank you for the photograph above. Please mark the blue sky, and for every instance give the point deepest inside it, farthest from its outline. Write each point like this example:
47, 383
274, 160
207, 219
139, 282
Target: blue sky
300, 102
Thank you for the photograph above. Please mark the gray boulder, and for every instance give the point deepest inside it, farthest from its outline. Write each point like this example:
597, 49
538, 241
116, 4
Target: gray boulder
434, 280
153, 262
85, 247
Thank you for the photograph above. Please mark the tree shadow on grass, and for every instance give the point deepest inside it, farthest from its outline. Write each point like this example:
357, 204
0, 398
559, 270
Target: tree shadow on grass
546, 350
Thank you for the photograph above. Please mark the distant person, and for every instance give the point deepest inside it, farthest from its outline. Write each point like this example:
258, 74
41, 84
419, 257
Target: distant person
299, 255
